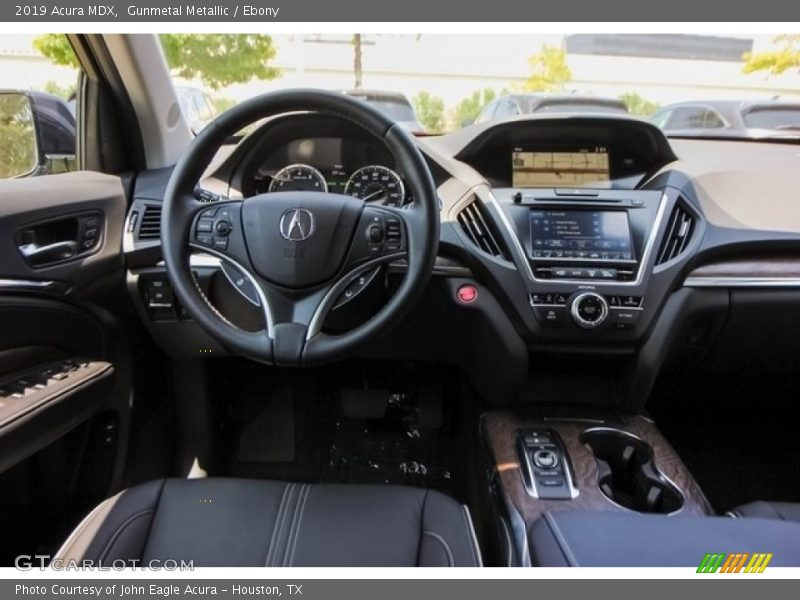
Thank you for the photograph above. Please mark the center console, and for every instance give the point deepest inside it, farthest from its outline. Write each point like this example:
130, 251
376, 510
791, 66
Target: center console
589, 256
540, 465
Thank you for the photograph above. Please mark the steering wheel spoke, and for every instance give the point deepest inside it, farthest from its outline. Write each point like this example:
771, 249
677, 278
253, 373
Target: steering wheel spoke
292, 313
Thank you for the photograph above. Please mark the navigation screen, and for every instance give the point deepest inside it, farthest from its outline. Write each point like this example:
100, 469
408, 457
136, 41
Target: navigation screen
581, 234
580, 167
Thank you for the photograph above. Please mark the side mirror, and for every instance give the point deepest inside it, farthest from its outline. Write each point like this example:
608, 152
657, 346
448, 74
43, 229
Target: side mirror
37, 135
19, 153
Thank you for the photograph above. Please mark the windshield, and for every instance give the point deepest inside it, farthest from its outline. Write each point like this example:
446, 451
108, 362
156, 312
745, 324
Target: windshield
397, 110
687, 84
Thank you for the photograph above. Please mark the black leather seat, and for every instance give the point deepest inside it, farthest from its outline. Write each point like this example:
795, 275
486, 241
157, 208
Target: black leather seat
573, 538
232, 522
783, 511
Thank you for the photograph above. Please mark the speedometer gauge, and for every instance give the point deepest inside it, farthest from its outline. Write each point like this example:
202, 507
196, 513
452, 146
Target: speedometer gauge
377, 184
298, 178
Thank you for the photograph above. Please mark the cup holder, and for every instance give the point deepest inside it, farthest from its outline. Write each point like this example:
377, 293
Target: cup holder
627, 474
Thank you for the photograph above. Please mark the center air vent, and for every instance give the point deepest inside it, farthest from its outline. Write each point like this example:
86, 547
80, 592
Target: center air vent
475, 225
150, 229
678, 234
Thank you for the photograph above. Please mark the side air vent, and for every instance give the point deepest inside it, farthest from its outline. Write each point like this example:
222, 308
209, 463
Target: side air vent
477, 228
678, 234
150, 229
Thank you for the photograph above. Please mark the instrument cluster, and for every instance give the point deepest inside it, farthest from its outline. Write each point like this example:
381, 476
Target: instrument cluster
375, 184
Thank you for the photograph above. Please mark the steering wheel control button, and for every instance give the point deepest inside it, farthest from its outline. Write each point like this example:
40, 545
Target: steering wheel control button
225, 214
589, 310
375, 234
467, 294
383, 233
241, 282
214, 226
223, 228
355, 287
394, 234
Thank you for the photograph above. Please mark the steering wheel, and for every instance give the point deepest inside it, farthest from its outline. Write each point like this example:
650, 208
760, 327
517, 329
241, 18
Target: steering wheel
297, 252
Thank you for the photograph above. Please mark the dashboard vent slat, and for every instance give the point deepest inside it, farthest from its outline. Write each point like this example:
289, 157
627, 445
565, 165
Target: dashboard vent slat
150, 227
677, 235
477, 228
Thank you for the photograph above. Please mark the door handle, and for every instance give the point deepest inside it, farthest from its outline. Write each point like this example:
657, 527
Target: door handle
49, 253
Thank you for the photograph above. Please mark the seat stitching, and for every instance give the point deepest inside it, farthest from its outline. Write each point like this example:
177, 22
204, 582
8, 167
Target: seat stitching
293, 505
470, 536
560, 540
299, 522
450, 560
290, 537
286, 508
286, 488
120, 529
301, 506
293, 524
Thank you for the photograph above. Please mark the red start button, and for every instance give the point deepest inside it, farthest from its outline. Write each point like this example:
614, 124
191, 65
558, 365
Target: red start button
467, 294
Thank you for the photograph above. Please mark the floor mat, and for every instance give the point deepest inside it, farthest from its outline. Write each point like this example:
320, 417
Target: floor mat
404, 447
270, 437
293, 425
275, 424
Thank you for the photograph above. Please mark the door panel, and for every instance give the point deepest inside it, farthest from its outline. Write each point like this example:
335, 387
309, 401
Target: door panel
60, 211
65, 374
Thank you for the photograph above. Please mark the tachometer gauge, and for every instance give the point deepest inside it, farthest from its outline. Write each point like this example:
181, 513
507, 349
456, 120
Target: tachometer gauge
377, 184
298, 178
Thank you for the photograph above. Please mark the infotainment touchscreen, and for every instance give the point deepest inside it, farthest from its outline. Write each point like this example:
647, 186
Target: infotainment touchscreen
567, 167
581, 234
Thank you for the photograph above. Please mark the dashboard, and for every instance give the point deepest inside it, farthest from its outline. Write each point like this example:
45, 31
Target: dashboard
576, 234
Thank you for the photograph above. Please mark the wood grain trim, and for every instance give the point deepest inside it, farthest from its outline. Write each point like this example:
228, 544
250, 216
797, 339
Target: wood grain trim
757, 267
501, 427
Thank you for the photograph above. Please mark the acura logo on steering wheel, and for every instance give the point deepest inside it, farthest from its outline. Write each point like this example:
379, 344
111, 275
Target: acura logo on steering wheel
297, 224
